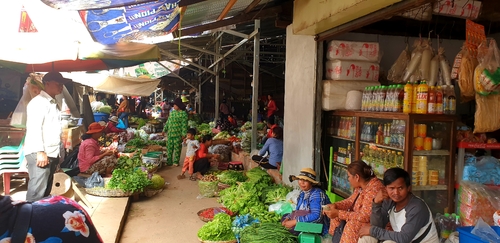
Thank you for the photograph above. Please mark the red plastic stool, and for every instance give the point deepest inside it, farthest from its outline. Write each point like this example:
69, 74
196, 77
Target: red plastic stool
235, 165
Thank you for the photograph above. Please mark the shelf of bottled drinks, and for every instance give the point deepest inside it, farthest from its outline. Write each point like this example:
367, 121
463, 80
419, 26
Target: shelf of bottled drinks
422, 144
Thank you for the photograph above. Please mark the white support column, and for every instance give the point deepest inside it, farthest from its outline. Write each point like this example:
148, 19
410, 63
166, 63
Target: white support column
216, 69
255, 88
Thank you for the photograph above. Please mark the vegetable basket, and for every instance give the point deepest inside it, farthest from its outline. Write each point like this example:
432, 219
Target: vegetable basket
209, 218
105, 192
208, 241
151, 192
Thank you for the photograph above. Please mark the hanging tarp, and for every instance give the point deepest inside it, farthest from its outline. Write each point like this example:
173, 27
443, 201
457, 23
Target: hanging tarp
132, 22
29, 56
130, 86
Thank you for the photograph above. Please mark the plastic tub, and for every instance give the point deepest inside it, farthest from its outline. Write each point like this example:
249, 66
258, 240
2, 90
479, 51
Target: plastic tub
466, 236
101, 117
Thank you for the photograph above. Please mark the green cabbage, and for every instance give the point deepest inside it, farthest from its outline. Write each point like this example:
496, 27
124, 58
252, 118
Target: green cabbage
105, 109
157, 182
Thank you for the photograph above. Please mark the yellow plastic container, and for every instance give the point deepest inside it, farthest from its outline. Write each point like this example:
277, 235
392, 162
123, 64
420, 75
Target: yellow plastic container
422, 96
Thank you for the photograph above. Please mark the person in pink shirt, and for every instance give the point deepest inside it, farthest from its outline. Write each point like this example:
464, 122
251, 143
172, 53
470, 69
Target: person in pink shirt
90, 157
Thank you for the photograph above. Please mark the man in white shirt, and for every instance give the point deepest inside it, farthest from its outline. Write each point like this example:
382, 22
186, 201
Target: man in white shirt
43, 136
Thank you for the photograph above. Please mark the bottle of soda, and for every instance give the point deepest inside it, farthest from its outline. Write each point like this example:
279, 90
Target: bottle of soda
422, 94
439, 100
414, 98
431, 101
452, 100
446, 103
408, 97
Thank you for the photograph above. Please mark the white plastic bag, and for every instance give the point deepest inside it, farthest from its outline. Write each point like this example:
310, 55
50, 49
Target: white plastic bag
485, 232
292, 197
276, 206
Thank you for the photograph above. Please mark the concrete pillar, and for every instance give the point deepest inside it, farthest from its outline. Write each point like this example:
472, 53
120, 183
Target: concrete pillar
300, 100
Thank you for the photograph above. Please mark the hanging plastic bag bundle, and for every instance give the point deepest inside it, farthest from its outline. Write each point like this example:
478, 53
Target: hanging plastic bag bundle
490, 77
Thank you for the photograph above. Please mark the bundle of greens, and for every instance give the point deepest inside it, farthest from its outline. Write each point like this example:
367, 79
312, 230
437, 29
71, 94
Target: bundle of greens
274, 194
266, 232
129, 180
230, 177
222, 135
127, 163
259, 176
136, 142
218, 229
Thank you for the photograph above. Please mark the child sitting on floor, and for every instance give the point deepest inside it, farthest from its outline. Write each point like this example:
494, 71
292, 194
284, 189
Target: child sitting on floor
192, 146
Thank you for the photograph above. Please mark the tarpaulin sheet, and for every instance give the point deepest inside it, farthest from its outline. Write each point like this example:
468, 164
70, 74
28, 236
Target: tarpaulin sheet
84, 5
129, 86
132, 22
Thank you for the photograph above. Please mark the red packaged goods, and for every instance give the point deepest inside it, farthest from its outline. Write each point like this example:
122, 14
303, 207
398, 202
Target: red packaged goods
477, 201
350, 50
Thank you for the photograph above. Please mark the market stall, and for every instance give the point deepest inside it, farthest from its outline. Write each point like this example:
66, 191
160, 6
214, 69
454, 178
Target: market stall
395, 100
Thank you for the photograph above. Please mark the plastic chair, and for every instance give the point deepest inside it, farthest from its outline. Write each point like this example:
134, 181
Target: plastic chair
12, 149
10, 162
8, 169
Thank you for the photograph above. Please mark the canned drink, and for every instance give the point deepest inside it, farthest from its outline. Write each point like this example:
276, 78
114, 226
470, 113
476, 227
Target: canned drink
419, 143
415, 130
422, 130
428, 143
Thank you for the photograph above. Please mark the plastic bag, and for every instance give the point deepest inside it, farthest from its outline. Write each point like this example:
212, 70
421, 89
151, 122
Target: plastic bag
397, 70
466, 76
485, 232
121, 124
490, 78
208, 188
292, 197
285, 209
477, 201
95, 180
484, 170
487, 116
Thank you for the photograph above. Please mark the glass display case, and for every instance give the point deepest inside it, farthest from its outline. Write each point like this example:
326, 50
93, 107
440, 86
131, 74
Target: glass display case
420, 144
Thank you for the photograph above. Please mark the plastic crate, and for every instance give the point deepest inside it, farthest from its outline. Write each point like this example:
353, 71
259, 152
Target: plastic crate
101, 117
466, 236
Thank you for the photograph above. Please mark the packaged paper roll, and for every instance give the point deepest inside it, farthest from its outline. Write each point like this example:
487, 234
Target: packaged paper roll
353, 100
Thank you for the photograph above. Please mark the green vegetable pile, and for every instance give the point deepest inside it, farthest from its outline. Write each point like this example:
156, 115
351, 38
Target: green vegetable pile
161, 142
129, 180
136, 142
222, 135
274, 194
230, 177
127, 163
204, 129
141, 122
267, 233
217, 230
244, 198
105, 109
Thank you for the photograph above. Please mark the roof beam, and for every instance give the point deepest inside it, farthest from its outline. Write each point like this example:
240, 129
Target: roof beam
236, 33
196, 48
270, 12
183, 3
182, 66
226, 9
235, 47
177, 75
246, 63
167, 53
251, 6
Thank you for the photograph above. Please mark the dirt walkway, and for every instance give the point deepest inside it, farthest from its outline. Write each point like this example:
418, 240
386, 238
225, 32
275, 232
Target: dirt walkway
169, 216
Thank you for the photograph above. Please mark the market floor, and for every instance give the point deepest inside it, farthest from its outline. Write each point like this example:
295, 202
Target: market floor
169, 216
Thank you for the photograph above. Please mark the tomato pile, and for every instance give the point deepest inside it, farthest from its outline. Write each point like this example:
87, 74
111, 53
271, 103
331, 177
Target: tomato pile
210, 212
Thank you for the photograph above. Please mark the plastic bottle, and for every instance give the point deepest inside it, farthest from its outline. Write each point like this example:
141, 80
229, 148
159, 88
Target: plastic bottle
446, 226
387, 98
379, 138
439, 100
422, 94
458, 223
400, 98
408, 97
383, 92
414, 98
452, 100
431, 101
446, 103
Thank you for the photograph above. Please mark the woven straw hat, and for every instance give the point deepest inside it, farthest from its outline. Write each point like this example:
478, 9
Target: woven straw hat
306, 174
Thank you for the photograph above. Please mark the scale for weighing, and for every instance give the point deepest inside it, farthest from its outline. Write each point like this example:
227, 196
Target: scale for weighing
309, 232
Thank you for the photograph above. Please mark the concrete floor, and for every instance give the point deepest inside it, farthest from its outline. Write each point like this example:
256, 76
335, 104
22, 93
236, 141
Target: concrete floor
169, 216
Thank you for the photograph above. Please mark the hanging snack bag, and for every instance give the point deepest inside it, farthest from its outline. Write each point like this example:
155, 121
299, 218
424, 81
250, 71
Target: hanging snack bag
490, 78
466, 76
397, 70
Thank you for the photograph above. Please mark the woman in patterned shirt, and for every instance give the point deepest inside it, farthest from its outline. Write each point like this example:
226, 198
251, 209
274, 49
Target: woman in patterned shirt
176, 128
366, 186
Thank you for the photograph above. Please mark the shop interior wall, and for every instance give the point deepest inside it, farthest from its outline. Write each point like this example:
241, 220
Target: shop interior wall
11, 90
300, 91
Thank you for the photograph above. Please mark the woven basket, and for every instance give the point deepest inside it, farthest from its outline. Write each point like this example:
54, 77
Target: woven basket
104, 192
208, 241
151, 192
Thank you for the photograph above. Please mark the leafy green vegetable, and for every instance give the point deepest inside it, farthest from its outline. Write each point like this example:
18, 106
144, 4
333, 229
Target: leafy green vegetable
217, 230
266, 233
136, 142
274, 194
230, 177
105, 109
127, 163
222, 135
204, 129
141, 122
259, 176
129, 180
